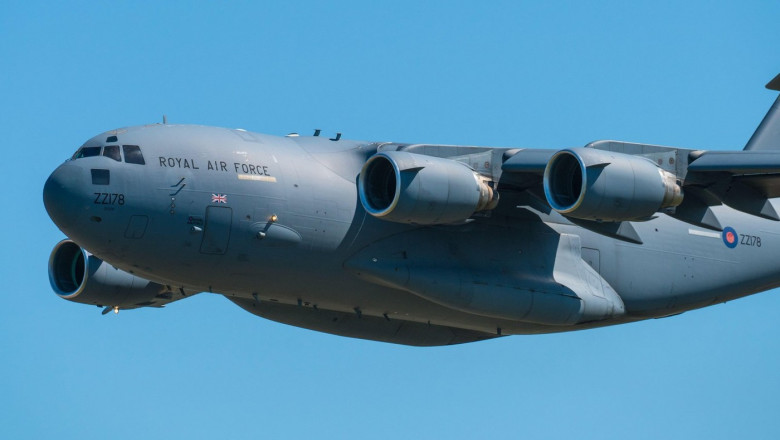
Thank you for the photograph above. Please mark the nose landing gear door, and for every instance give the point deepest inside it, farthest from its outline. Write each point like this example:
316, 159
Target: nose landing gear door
216, 232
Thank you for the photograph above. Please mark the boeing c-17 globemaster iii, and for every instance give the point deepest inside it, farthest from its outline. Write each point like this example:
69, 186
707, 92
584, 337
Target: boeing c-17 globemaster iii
416, 244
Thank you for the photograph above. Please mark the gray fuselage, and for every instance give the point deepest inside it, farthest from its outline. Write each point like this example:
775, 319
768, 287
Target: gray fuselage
278, 221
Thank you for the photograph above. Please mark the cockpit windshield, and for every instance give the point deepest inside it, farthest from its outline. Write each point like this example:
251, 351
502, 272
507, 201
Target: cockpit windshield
112, 151
87, 152
132, 153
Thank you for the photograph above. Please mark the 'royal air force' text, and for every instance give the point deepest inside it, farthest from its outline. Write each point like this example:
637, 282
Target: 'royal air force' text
215, 165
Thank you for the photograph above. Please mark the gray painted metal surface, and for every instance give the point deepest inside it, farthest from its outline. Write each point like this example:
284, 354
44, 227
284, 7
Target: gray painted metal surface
284, 227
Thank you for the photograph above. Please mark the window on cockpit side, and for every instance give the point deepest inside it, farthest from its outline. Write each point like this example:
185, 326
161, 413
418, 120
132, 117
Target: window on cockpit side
133, 154
112, 151
87, 152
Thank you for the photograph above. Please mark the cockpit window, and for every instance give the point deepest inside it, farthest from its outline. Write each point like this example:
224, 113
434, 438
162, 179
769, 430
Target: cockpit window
133, 154
87, 152
112, 151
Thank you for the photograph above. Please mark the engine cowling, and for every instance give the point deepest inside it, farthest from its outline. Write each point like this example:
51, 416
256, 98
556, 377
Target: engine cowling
591, 184
78, 276
412, 188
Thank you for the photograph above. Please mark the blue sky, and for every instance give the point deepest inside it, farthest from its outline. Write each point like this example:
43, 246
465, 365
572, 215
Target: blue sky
542, 74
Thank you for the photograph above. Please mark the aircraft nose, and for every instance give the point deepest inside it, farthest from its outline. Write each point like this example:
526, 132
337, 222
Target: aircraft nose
59, 193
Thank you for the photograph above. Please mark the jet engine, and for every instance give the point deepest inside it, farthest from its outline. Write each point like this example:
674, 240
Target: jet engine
591, 184
412, 188
78, 276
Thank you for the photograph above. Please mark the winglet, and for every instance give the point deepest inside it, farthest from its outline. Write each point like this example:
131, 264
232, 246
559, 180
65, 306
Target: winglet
774, 84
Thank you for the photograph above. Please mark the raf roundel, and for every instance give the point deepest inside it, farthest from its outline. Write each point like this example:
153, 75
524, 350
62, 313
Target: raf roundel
730, 237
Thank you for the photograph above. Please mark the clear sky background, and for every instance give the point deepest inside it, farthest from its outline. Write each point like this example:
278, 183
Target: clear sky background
526, 74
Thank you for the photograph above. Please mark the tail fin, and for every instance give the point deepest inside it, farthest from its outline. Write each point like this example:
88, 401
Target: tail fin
767, 135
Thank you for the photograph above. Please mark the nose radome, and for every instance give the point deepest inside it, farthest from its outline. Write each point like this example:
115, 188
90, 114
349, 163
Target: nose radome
59, 193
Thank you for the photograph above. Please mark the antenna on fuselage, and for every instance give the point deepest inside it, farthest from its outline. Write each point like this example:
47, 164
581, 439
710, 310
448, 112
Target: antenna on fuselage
165, 119
317, 131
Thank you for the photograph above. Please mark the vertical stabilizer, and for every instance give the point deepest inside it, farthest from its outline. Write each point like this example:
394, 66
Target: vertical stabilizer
767, 135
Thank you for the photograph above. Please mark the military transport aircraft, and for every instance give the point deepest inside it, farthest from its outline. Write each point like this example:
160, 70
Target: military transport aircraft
416, 244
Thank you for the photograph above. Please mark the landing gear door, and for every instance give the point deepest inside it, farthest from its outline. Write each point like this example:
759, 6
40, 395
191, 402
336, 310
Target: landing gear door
216, 232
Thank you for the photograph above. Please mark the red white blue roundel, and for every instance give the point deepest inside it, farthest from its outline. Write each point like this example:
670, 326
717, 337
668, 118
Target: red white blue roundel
730, 237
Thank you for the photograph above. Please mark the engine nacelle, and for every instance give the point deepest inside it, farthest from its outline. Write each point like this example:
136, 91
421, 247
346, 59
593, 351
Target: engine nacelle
78, 276
601, 185
412, 188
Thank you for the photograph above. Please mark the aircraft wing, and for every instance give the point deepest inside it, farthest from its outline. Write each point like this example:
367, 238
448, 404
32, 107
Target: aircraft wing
614, 176
527, 161
759, 170
743, 180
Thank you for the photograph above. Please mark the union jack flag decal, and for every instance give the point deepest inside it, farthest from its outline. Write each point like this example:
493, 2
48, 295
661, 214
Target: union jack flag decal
218, 198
